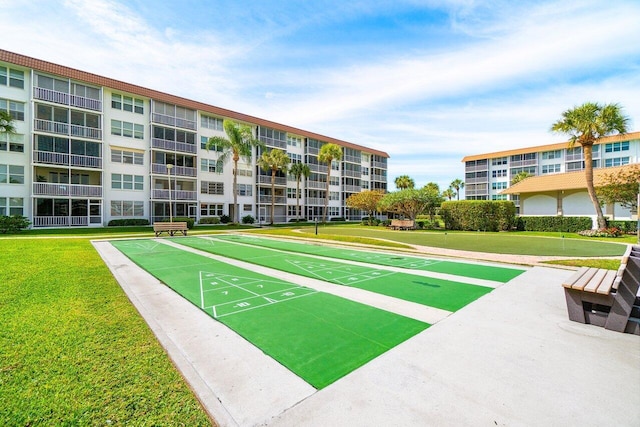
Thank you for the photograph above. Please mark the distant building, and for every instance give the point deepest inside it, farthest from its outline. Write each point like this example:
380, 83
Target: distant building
558, 186
89, 149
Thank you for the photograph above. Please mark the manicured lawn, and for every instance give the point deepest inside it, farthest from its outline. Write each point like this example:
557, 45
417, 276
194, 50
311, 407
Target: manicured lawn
503, 243
73, 350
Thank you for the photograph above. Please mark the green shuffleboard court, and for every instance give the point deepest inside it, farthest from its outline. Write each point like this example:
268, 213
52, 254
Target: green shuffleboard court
318, 336
443, 294
458, 268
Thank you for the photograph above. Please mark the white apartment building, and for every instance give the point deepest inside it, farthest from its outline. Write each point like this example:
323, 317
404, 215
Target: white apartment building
89, 149
488, 175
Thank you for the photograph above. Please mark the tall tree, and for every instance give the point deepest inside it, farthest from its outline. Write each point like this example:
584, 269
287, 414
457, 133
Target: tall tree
329, 153
299, 171
366, 201
410, 202
586, 125
273, 160
240, 144
621, 187
519, 177
457, 184
404, 181
449, 193
6, 122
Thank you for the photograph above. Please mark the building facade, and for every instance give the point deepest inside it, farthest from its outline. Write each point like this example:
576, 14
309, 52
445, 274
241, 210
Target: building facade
89, 149
488, 175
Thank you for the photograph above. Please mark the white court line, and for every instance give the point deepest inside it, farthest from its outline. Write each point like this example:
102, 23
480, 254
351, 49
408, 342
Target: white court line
270, 303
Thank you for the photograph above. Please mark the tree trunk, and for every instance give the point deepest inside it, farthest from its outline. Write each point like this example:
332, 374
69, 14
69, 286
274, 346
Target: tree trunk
236, 212
298, 200
326, 199
588, 173
273, 193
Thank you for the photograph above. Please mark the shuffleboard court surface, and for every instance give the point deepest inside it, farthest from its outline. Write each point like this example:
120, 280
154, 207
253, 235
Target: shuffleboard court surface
319, 337
464, 269
444, 294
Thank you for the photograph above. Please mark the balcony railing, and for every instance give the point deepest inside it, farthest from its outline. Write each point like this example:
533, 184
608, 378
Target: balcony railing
86, 132
519, 163
476, 168
352, 188
183, 147
67, 99
160, 168
65, 221
312, 150
378, 178
173, 121
354, 174
50, 158
381, 165
316, 184
352, 159
71, 190
175, 194
318, 168
63, 129
280, 200
267, 180
315, 201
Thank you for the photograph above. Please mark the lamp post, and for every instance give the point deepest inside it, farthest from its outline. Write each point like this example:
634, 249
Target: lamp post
169, 167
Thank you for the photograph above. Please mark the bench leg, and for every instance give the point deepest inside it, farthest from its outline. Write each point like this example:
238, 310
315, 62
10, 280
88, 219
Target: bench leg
574, 305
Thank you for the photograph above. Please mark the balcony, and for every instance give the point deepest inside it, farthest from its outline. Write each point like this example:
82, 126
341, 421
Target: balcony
476, 168
173, 121
318, 168
267, 180
64, 98
63, 129
312, 150
65, 221
316, 201
161, 194
353, 159
67, 190
182, 147
375, 177
381, 165
354, 174
317, 184
51, 158
482, 179
520, 163
159, 168
352, 188
279, 200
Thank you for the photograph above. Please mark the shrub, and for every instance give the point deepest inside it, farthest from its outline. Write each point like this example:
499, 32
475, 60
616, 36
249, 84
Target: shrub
565, 224
13, 224
337, 218
209, 220
370, 221
127, 222
298, 220
486, 215
225, 219
627, 227
248, 219
190, 221
602, 232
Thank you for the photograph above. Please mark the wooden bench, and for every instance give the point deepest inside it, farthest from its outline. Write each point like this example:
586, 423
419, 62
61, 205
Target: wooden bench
170, 228
402, 224
606, 297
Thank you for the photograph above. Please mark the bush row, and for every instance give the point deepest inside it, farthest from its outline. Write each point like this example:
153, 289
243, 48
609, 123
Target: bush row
13, 224
627, 227
565, 224
485, 215
127, 222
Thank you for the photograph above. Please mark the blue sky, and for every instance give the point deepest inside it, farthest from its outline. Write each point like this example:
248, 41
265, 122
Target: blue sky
427, 81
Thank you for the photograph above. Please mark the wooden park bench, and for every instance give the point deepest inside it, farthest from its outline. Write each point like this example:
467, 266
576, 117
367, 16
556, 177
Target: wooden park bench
402, 224
170, 228
607, 297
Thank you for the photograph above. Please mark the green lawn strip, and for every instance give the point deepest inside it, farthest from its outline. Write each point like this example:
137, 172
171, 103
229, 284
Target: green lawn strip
73, 350
502, 243
319, 337
479, 271
607, 264
443, 294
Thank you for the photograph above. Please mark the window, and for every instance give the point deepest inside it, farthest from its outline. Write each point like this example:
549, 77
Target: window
127, 103
294, 141
334, 211
291, 193
335, 180
203, 145
616, 147
617, 161
366, 158
11, 174
211, 123
498, 185
11, 206
365, 185
499, 173
129, 130
127, 157
211, 209
295, 158
334, 195
499, 161
208, 187
245, 190
555, 168
12, 142
574, 166
15, 109
531, 170
127, 182
365, 171
15, 78
208, 165
498, 197
335, 165
127, 208
291, 210
247, 208
555, 154
244, 171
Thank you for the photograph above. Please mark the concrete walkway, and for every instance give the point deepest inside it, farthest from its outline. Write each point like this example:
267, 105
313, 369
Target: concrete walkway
510, 358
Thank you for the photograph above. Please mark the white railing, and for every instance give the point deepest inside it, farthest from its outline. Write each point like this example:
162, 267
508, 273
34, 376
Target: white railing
54, 189
51, 158
52, 127
318, 168
475, 180
312, 150
316, 184
186, 124
177, 170
86, 161
50, 221
67, 99
354, 174
352, 188
175, 194
86, 103
352, 159
281, 200
86, 132
165, 144
267, 180
476, 168
381, 165
163, 119
315, 201
519, 163
378, 178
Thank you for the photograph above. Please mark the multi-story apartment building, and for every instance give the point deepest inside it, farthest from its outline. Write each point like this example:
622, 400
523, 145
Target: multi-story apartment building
89, 149
488, 175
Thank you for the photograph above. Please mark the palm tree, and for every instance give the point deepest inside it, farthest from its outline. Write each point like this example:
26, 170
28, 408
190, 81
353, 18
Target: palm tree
299, 170
586, 124
6, 122
329, 153
520, 176
448, 193
404, 181
273, 160
240, 144
457, 184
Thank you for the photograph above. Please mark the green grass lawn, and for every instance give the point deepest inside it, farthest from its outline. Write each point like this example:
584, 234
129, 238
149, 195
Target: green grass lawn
549, 244
73, 350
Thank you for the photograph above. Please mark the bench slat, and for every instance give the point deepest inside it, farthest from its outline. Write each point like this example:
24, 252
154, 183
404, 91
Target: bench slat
607, 283
575, 276
596, 280
584, 280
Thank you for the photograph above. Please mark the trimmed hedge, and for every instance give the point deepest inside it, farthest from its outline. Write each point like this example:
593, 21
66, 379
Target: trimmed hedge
127, 222
565, 224
209, 220
485, 215
190, 221
627, 227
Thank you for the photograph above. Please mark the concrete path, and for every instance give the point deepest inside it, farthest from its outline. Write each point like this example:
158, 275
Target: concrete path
510, 358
